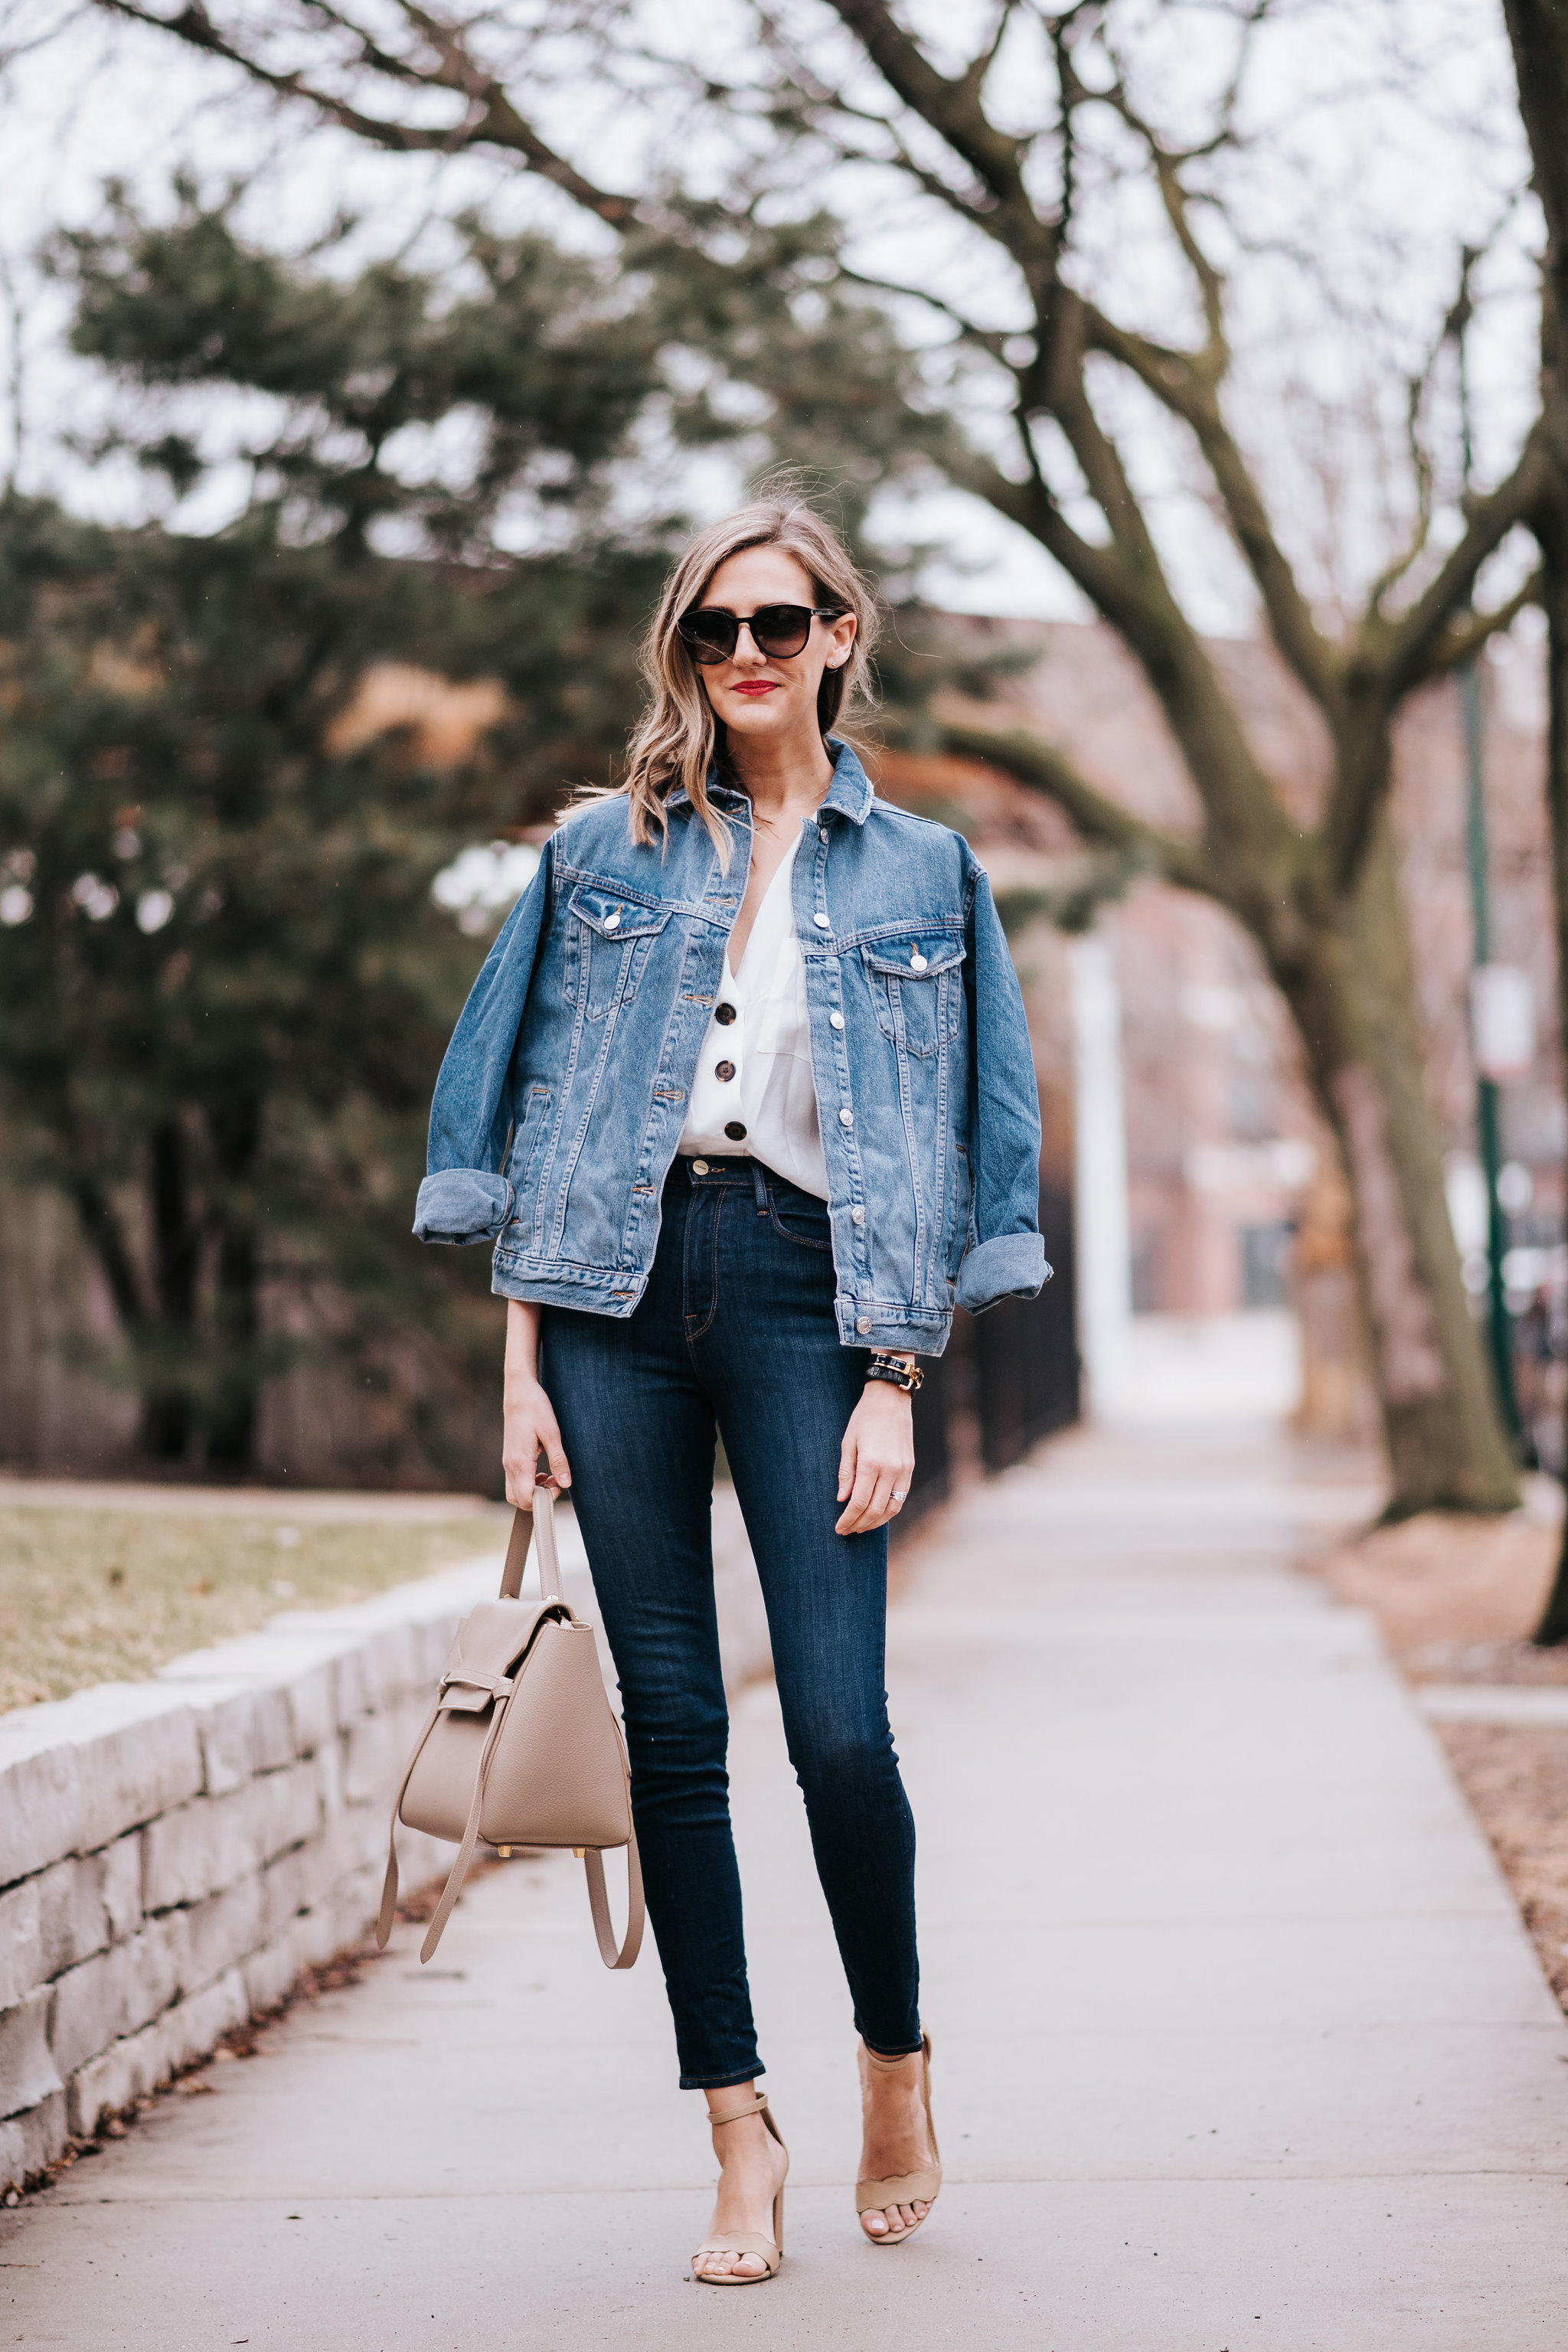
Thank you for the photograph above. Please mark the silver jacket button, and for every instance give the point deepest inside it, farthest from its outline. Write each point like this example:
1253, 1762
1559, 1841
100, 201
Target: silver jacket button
612, 919
857, 1216
836, 1020
823, 922
916, 961
845, 1118
863, 1323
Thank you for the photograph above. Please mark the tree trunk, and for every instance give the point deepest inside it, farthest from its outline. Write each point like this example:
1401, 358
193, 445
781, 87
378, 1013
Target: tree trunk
1538, 30
168, 1343
1350, 986
232, 1408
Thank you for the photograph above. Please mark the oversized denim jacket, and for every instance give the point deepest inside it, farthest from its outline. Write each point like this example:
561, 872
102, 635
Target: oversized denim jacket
562, 1094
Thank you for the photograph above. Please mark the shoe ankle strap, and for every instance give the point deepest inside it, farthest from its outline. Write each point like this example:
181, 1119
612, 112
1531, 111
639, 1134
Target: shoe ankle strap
757, 2107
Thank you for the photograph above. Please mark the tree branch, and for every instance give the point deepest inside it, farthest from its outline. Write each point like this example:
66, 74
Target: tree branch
491, 119
1187, 385
1463, 641
1407, 643
1100, 820
954, 110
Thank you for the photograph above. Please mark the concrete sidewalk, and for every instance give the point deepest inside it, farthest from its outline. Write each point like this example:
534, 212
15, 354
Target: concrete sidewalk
1239, 2041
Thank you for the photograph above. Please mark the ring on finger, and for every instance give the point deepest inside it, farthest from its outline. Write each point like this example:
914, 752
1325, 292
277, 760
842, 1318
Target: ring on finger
900, 1493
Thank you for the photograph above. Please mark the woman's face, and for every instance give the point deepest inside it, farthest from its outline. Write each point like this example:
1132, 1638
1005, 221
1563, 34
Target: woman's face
754, 695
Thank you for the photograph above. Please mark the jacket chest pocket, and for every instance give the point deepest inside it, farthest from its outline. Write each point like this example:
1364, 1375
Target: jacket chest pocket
608, 942
917, 987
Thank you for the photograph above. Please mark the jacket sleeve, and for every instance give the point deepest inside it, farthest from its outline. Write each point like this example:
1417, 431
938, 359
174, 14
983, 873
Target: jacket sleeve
465, 1196
1005, 1254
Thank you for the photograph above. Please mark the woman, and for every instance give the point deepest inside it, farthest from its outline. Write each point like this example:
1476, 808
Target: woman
744, 1096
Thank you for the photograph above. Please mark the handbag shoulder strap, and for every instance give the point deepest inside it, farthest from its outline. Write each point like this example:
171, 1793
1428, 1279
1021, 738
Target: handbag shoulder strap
539, 1522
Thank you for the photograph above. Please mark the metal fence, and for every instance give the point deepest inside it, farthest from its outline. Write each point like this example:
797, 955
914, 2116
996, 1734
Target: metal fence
1007, 1378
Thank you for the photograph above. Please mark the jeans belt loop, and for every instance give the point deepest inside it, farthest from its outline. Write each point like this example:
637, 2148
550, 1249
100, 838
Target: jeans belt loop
759, 1185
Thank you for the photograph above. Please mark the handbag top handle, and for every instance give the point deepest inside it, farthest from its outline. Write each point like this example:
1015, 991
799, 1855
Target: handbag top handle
540, 1521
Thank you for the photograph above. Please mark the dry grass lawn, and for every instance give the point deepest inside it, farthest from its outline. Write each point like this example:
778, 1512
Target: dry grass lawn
99, 1594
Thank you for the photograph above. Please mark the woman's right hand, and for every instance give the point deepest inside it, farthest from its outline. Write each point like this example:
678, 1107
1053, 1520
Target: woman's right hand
529, 1426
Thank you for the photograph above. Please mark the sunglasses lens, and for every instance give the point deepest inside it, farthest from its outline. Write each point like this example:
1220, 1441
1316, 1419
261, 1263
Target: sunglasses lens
708, 636
780, 630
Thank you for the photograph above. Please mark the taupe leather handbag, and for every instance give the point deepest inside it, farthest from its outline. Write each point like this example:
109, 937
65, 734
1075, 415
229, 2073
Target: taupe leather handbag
520, 1747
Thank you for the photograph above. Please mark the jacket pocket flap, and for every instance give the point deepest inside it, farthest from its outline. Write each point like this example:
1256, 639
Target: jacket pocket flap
918, 956
612, 917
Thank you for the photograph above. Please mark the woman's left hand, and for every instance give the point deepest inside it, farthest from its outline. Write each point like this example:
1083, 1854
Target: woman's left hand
876, 1461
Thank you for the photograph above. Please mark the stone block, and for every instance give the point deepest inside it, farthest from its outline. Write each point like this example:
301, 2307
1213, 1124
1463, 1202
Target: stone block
329, 1763
137, 2063
300, 1663
225, 1727
122, 1886
269, 1973
39, 1807
274, 1729
377, 1752
200, 1847
29, 2071
217, 1934
114, 1995
291, 1807
194, 2027
31, 2141
315, 1938
73, 1918
296, 1882
21, 1943
127, 2070
78, 1772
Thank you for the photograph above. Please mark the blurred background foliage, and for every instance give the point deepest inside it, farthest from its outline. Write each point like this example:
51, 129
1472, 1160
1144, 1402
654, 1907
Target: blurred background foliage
224, 988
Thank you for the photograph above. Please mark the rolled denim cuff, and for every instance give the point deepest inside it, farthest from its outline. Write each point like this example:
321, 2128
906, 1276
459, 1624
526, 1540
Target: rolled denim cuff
462, 1204
1011, 1265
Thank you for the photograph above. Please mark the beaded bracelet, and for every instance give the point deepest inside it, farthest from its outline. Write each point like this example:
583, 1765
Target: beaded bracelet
898, 1372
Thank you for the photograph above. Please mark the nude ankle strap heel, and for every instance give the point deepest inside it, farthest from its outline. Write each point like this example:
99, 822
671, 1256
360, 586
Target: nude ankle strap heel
746, 2241
871, 2196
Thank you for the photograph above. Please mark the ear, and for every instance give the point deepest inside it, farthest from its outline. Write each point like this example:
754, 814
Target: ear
842, 632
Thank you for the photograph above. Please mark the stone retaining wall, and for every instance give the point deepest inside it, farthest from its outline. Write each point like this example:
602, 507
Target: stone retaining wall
174, 1853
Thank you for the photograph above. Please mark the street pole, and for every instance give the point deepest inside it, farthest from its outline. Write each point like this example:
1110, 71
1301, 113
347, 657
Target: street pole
1102, 1251
1500, 1323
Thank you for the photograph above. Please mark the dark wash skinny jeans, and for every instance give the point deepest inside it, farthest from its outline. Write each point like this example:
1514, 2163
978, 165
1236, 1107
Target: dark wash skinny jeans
737, 1331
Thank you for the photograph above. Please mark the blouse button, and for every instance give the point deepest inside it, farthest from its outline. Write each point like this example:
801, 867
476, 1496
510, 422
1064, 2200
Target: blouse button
723, 1014
724, 1070
735, 1131
823, 922
836, 1020
845, 1118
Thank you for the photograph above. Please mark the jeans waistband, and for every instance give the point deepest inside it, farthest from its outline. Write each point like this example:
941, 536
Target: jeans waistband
701, 1168
701, 1172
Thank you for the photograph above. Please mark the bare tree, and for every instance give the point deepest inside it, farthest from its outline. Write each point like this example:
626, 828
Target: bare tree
1538, 30
1324, 902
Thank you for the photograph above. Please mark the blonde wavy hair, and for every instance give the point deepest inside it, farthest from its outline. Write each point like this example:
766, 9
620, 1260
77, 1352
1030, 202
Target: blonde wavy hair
679, 740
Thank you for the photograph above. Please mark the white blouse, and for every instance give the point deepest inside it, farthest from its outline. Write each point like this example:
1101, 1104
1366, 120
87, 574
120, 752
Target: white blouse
755, 1068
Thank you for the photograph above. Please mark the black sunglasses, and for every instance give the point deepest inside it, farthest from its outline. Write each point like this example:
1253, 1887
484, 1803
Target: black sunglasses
778, 631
